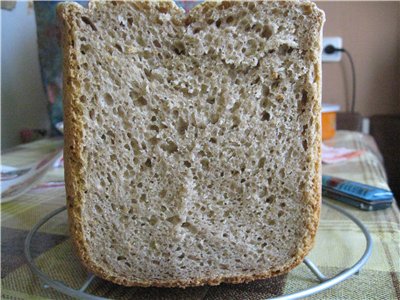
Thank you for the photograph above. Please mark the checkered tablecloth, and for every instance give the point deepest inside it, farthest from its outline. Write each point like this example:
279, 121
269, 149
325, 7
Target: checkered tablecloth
339, 242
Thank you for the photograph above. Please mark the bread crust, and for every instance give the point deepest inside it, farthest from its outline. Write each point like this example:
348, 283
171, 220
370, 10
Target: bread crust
74, 171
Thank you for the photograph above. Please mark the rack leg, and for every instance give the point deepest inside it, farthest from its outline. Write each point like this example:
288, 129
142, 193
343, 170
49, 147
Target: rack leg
87, 282
321, 277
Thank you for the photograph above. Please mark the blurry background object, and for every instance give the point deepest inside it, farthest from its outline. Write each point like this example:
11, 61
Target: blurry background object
8, 5
23, 101
386, 131
329, 112
50, 58
29, 135
349, 121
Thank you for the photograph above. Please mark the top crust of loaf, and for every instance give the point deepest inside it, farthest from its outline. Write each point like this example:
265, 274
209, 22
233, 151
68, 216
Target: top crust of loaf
75, 161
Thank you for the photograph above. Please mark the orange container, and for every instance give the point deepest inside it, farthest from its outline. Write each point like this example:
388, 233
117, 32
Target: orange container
329, 120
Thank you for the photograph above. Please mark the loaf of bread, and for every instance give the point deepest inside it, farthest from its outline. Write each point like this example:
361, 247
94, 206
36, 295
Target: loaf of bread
192, 141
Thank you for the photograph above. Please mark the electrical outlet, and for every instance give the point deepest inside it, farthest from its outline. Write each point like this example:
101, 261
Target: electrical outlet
335, 41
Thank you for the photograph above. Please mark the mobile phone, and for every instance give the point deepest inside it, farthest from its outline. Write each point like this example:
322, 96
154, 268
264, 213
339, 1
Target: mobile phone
362, 196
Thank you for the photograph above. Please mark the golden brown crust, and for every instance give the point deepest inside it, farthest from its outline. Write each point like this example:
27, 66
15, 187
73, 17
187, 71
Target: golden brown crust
75, 185
73, 132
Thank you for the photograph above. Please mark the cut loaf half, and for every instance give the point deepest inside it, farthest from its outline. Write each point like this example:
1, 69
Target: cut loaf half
192, 142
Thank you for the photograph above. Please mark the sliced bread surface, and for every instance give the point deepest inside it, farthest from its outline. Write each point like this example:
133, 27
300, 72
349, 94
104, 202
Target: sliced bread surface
192, 142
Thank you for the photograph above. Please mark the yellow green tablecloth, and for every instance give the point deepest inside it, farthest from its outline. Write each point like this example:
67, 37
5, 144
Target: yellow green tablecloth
339, 242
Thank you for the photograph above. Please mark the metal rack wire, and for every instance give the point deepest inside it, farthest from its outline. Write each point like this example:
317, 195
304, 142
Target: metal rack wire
324, 281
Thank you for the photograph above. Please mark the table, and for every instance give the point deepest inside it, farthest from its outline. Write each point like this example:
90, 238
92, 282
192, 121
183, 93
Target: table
339, 243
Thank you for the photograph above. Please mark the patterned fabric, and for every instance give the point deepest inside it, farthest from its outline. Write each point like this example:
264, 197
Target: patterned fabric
339, 242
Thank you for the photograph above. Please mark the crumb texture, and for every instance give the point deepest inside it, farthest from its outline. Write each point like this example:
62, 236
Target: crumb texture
200, 137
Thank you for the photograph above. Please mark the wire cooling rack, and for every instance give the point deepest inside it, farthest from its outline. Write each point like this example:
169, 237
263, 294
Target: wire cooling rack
323, 282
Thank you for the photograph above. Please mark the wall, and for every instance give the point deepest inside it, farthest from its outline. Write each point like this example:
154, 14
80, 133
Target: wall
23, 101
371, 33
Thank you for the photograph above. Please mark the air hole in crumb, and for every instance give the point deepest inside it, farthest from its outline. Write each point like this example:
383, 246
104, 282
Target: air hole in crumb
83, 99
186, 224
229, 19
98, 209
121, 258
153, 220
148, 163
304, 96
205, 163
170, 147
218, 23
270, 199
154, 140
213, 140
211, 100
305, 145
91, 114
118, 46
154, 127
266, 32
157, 44
174, 220
265, 116
182, 126
261, 162
141, 101
214, 118
120, 112
89, 22
307, 9
187, 164
179, 47
108, 99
